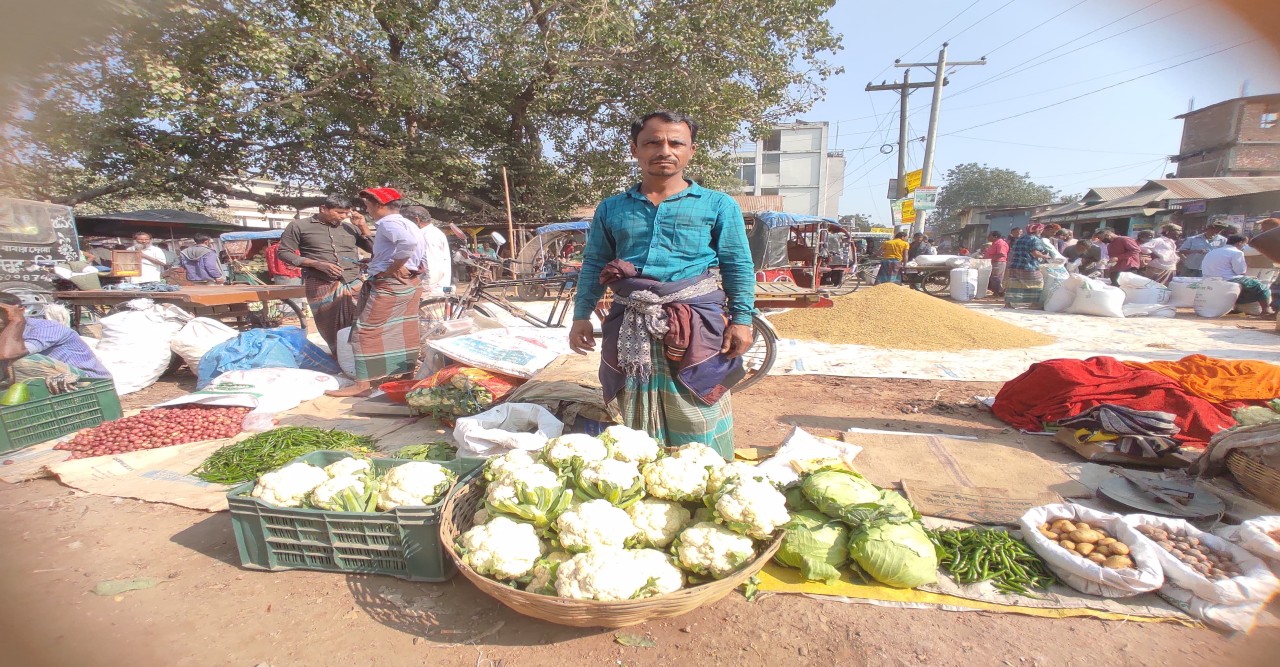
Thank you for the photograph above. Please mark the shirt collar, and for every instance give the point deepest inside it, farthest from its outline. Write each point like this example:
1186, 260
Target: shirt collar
693, 190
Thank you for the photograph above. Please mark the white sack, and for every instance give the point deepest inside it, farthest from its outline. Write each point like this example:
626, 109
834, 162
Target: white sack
801, 446
1062, 297
1215, 297
198, 337
510, 352
505, 427
1084, 575
1098, 298
1148, 310
964, 284
1252, 537
1228, 603
346, 356
135, 343
1142, 290
938, 260
1182, 292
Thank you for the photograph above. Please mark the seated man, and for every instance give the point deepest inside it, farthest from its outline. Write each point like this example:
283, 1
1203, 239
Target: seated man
1228, 263
35, 348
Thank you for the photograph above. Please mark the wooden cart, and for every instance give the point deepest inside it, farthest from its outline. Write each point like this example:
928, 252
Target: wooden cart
230, 303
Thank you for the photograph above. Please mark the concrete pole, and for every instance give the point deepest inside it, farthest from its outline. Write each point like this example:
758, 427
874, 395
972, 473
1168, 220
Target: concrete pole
902, 134
926, 174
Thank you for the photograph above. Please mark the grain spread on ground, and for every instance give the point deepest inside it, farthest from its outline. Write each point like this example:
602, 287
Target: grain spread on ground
891, 316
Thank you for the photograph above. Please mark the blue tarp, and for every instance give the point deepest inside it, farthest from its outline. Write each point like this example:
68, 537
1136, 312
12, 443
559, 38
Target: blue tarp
282, 347
249, 236
773, 219
578, 226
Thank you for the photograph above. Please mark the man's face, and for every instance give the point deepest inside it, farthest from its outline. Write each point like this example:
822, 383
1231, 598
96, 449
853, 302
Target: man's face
143, 240
333, 215
918, 238
663, 149
1212, 232
1015, 233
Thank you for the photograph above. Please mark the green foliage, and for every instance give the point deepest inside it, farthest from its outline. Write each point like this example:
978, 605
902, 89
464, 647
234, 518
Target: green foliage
972, 184
431, 97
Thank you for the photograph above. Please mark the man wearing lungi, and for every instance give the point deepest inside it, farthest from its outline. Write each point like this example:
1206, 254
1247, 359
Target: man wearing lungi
671, 352
385, 336
324, 245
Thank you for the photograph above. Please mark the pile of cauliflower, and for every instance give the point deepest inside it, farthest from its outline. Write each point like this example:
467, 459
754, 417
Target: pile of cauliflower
617, 518
352, 485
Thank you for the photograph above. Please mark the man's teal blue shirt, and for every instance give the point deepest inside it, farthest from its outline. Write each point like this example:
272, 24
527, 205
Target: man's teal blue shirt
682, 237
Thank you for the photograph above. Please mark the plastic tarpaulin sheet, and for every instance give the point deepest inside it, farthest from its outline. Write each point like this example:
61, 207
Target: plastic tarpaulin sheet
577, 226
282, 347
249, 236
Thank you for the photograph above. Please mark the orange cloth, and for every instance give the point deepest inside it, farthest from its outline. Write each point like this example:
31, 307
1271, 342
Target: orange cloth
1220, 380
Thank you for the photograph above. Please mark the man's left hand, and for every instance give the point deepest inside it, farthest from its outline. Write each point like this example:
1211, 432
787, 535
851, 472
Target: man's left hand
737, 340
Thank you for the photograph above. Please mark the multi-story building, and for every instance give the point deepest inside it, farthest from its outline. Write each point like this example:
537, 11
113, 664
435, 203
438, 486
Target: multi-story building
793, 162
249, 214
1239, 137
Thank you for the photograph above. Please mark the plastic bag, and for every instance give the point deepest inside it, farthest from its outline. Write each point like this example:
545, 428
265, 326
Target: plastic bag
505, 427
346, 356
1252, 537
459, 391
1228, 603
1085, 575
135, 343
198, 337
1182, 292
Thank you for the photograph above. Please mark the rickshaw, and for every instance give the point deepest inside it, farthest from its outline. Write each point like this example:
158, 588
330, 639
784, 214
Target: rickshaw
786, 247
554, 252
245, 255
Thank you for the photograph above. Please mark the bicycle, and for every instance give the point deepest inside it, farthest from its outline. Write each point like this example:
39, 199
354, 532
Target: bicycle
482, 293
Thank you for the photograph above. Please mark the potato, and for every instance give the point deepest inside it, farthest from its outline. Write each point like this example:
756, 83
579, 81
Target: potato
1119, 548
1193, 541
1086, 536
1106, 540
1118, 562
1083, 526
1084, 549
1062, 526
1050, 534
1097, 558
1103, 549
1067, 544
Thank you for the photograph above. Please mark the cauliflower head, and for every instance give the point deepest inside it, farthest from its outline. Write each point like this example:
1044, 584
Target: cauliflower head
502, 549
675, 479
659, 521
712, 550
701, 454
289, 486
345, 493
618, 482
604, 574
348, 467
718, 476
414, 484
516, 458
664, 576
560, 452
533, 493
751, 507
630, 445
595, 524
543, 581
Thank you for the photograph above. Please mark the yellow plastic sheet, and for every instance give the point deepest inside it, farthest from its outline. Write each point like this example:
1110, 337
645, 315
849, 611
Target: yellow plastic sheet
777, 579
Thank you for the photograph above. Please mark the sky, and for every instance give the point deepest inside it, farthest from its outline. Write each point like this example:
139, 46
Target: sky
1039, 53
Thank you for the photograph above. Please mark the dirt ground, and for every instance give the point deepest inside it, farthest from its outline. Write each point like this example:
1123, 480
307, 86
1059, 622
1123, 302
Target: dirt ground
207, 610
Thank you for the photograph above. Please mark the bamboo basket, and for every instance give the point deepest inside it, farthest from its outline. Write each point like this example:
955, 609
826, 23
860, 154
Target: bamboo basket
1256, 478
456, 518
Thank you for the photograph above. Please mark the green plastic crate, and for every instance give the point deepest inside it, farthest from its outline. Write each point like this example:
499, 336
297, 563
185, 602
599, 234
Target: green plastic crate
45, 417
404, 542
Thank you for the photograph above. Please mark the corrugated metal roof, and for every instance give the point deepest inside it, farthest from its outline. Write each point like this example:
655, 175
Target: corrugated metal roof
1253, 98
1113, 192
1214, 188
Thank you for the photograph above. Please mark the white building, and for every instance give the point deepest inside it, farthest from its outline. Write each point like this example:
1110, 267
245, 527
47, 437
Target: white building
793, 162
249, 214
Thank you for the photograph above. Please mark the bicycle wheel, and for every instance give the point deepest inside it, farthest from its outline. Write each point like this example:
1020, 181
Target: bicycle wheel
936, 284
759, 358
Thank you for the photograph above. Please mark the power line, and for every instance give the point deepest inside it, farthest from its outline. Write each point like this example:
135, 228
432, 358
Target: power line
1036, 27
1061, 148
1071, 99
1094, 171
993, 13
926, 37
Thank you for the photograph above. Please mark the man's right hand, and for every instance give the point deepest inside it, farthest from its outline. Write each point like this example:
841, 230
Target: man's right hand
328, 268
582, 337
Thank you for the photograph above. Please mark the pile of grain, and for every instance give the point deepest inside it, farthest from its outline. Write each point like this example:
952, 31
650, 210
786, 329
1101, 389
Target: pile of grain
892, 316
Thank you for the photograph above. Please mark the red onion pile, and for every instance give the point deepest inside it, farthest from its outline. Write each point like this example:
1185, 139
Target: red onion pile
159, 427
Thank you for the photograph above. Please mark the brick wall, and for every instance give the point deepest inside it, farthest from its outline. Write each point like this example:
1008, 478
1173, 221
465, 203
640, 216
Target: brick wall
1202, 166
1208, 128
1251, 122
1256, 157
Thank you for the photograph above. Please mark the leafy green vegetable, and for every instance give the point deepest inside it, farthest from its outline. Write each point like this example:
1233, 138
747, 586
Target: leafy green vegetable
816, 544
844, 494
434, 451
895, 554
246, 460
897, 508
796, 502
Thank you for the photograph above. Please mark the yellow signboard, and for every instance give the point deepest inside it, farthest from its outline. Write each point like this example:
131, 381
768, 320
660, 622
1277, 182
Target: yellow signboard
913, 180
908, 212
882, 230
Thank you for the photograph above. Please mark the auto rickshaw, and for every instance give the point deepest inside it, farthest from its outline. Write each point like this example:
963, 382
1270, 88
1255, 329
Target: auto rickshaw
788, 247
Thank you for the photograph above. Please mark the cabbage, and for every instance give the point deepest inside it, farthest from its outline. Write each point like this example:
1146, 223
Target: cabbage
895, 554
815, 544
843, 494
897, 508
796, 501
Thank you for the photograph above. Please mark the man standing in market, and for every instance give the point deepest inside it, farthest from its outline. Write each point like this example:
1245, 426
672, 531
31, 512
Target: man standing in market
1194, 248
434, 247
998, 252
385, 334
1125, 255
152, 260
325, 247
670, 352
200, 261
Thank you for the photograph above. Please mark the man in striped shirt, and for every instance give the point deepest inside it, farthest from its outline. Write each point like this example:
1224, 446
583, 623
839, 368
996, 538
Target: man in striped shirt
36, 348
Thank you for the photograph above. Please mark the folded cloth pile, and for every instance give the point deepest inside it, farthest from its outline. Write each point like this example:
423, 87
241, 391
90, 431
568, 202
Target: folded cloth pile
1145, 433
1220, 380
143, 287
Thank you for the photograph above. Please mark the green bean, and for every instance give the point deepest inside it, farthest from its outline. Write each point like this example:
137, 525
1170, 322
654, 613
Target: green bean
978, 554
249, 458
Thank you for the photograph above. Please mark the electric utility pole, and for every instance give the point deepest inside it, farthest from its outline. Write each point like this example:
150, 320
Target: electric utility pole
939, 80
904, 90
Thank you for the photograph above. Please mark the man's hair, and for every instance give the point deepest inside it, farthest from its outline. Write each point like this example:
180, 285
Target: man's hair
370, 202
668, 116
994, 235
417, 213
1170, 227
10, 299
336, 201
1216, 225
1147, 233
1082, 242
201, 238
1235, 238
900, 235
137, 234
1231, 230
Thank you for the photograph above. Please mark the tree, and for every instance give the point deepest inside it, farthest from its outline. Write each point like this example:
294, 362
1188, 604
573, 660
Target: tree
856, 222
972, 184
432, 97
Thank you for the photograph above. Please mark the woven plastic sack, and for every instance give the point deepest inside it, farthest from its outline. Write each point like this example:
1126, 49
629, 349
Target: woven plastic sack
1085, 575
1098, 298
1252, 537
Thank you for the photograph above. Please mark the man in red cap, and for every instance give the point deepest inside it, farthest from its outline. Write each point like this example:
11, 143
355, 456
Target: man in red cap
385, 337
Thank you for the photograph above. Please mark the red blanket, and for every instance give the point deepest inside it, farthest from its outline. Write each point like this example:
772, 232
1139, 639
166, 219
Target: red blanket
1059, 388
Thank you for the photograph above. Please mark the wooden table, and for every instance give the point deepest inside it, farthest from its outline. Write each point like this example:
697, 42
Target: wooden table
789, 295
216, 301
